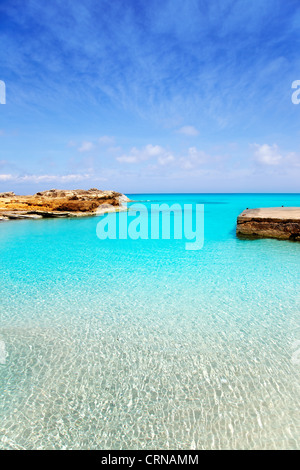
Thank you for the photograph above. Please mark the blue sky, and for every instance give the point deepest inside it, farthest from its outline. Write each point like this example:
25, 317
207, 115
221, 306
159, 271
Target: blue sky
150, 96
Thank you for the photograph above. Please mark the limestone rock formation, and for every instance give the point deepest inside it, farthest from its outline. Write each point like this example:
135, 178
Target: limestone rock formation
9, 194
275, 222
59, 203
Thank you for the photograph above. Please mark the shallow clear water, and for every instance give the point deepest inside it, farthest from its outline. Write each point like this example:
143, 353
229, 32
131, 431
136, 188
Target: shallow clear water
123, 344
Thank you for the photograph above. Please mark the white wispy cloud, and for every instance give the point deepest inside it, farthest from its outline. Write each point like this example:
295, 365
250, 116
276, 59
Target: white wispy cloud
48, 178
127, 159
166, 159
86, 146
176, 71
267, 154
6, 177
189, 131
148, 152
193, 159
158, 157
106, 140
273, 157
293, 159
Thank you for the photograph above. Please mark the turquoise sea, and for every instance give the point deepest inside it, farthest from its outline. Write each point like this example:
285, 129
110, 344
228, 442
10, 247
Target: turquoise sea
140, 344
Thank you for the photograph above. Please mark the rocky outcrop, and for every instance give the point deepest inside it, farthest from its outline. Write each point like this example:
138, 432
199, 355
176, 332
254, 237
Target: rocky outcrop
79, 194
275, 222
60, 203
10, 194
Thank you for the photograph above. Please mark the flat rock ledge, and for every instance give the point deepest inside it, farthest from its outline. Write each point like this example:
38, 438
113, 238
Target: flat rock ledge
274, 222
60, 203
